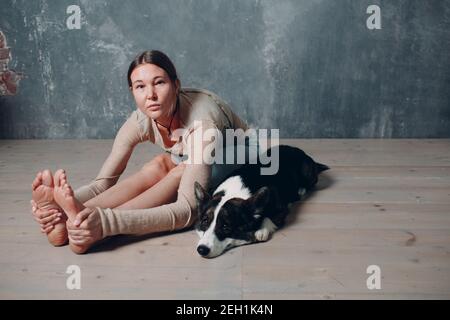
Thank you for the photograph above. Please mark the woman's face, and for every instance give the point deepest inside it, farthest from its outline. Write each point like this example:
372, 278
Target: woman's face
153, 91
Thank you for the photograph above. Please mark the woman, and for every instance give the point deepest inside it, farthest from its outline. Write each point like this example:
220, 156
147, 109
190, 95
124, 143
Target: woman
159, 197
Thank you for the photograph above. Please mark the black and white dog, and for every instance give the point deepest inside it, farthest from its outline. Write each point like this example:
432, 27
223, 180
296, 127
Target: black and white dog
248, 207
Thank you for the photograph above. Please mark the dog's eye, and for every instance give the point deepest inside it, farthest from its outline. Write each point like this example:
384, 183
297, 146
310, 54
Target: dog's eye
204, 223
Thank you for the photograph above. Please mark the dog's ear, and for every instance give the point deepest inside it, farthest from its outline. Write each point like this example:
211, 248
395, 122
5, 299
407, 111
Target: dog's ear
259, 200
200, 194
321, 167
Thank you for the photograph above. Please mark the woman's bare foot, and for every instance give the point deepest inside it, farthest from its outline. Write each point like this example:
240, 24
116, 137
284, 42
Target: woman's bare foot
65, 198
42, 195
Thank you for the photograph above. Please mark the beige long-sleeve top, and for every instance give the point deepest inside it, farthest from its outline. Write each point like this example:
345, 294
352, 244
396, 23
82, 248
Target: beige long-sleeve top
199, 110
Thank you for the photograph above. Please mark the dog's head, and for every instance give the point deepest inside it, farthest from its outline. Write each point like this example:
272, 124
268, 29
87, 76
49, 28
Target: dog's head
225, 222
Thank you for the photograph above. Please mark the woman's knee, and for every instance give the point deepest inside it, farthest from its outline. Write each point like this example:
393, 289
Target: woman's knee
161, 164
177, 171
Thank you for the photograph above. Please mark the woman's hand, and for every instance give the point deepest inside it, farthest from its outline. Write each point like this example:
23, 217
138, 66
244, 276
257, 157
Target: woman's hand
86, 228
46, 218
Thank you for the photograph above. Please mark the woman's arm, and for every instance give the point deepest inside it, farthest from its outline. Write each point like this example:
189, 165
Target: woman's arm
132, 132
177, 215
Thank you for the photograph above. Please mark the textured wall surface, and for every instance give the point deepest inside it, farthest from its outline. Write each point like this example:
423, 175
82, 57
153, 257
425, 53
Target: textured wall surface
311, 68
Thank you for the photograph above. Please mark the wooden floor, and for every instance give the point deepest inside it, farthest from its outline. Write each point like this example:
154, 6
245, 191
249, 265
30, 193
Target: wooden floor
384, 203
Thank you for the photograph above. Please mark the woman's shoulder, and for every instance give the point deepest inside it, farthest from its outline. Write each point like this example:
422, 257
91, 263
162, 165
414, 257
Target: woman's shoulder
204, 95
205, 105
197, 91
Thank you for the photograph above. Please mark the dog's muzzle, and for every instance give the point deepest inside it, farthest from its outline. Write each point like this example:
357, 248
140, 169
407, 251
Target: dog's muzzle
203, 250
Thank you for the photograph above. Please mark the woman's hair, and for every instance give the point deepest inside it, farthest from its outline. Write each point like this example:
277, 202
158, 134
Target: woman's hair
153, 57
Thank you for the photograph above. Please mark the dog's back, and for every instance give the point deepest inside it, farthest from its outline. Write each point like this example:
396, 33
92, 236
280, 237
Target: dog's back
296, 171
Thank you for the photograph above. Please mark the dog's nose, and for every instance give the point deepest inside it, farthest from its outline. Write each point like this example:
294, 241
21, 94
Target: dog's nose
203, 250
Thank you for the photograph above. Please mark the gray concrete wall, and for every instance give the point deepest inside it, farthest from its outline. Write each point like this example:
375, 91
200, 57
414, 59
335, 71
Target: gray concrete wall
311, 68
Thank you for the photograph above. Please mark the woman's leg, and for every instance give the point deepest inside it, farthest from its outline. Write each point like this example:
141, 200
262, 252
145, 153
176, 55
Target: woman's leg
121, 193
150, 174
163, 192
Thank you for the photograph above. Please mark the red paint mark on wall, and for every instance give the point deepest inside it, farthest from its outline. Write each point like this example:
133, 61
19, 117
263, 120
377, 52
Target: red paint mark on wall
9, 79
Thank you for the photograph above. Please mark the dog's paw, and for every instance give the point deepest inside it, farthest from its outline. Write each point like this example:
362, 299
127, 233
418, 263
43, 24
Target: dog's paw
267, 228
262, 235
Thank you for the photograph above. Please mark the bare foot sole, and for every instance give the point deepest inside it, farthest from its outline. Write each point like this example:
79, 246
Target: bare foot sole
64, 196
42, 195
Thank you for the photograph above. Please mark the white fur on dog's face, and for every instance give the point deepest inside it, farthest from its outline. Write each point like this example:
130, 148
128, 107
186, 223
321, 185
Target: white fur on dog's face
233, 188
